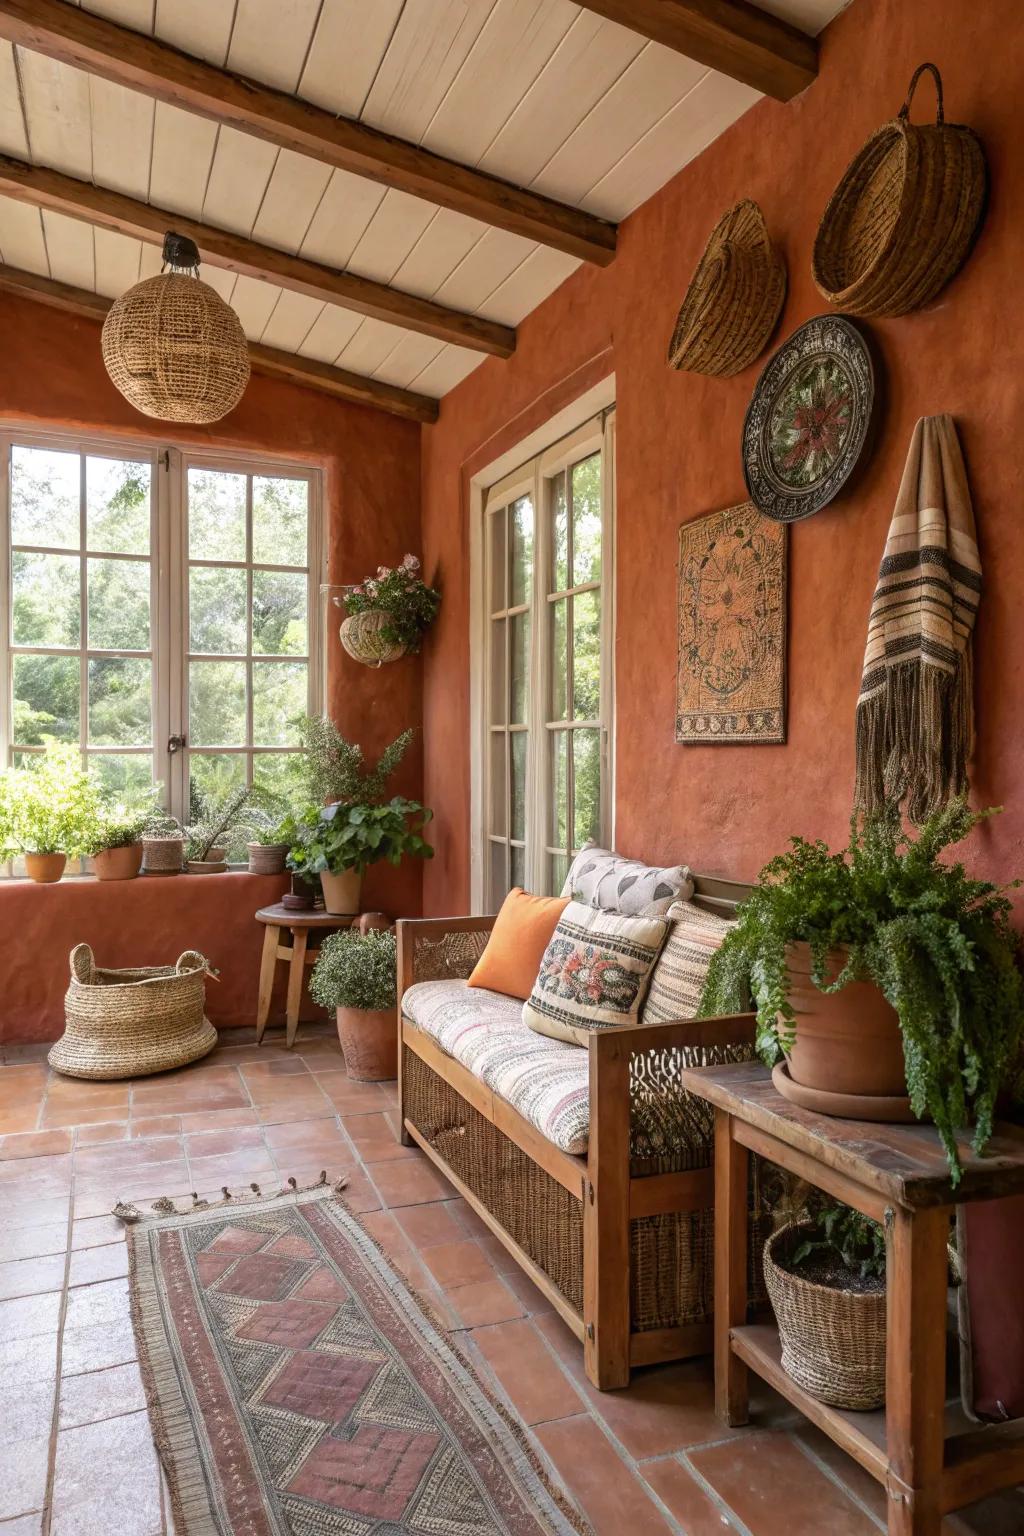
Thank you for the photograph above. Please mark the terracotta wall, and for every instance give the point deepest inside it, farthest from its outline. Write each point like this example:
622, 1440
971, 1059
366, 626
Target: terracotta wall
52, 376
728, 808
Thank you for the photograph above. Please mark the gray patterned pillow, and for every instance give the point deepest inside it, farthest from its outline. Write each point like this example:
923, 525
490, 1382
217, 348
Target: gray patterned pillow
600, 878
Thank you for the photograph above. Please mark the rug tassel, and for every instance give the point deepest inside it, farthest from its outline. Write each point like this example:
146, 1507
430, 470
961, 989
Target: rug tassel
129, 1214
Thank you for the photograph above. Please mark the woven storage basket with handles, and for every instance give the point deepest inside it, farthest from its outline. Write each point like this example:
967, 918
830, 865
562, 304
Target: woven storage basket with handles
833, 1341
734, 299
903, 218
133, 1022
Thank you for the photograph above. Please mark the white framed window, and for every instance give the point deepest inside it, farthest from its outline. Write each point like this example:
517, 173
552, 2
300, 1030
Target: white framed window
158, 608
546, 576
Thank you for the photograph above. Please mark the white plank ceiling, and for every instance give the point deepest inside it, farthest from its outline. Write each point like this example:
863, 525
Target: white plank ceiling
537, 91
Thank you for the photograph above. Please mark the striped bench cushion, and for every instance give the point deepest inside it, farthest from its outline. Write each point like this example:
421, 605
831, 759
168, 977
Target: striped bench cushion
546, 1081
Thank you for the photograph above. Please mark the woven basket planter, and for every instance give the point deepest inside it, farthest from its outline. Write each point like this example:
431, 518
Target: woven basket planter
361, 636
734, 300
267, 858
903, 219
163, 855
130, 1023
833, 1341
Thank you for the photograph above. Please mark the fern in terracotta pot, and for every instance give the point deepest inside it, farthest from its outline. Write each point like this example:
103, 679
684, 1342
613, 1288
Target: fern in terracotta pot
897, 928
355, 975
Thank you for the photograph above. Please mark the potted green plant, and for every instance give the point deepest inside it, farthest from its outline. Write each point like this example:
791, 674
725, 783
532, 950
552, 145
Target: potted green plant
221, 825
882, 953
48, 812
268, 847
115, 847
339, 842
387, 614
355, 975
826, 1280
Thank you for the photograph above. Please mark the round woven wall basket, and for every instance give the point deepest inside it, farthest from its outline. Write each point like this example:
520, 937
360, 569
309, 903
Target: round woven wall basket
173, 347
362, 638
734, 300
833, 1341
130, 1023
903, 219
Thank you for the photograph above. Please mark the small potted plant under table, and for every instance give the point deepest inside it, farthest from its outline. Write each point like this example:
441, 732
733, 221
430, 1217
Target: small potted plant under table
355, 975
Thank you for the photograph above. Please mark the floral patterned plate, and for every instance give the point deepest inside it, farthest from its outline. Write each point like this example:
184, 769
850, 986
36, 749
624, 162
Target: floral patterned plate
807, 423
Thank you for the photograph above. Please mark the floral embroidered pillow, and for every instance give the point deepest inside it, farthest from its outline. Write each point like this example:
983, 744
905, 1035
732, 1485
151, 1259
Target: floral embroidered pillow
594, 972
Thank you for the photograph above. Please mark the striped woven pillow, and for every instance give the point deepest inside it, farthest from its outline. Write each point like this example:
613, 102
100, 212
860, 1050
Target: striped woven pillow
682, 967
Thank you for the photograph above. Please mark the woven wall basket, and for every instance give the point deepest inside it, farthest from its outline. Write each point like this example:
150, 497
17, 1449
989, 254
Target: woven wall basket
133, 1022
734, 300
361, 636
175, 350
903, 218
833, 1342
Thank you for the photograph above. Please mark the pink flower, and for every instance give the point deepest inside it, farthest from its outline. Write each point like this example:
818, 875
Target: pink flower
410, 563
382, 571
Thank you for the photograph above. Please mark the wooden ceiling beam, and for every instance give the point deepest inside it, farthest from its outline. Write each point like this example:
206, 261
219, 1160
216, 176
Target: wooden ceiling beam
124, 215
306, 371
100, 47
732, 36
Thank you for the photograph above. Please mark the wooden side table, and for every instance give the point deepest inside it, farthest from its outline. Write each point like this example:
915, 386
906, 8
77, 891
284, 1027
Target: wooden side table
896, 1174
299, 954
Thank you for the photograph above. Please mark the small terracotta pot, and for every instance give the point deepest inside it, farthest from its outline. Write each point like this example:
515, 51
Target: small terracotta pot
45, 868
267, 858
369, 1043
847, 1041
121, 863
342, 892
213, 864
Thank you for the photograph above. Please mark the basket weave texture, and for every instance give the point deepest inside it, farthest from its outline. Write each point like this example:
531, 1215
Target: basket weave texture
903, 219
175, 350
361, 636
734, 299
833, 1341
129, 1023
163, 855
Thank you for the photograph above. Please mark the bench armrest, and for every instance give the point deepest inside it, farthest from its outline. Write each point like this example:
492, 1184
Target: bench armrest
435, 948
725, 1029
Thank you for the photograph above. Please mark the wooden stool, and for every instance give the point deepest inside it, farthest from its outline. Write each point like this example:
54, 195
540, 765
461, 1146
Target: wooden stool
299, 954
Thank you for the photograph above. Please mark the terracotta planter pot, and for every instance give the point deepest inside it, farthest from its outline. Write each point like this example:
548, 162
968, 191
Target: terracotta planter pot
369, 1043
342, 892
213, 864
267, 858
45, 868
847, 1041
121, 863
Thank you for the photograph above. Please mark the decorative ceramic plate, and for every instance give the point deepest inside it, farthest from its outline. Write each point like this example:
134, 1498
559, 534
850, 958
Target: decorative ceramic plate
807, 423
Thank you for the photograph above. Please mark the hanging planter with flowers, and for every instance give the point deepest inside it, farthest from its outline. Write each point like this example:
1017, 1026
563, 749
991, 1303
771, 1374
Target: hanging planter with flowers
388, 614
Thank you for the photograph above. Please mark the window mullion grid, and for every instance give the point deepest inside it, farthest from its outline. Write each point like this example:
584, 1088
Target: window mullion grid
248, 629
570, 672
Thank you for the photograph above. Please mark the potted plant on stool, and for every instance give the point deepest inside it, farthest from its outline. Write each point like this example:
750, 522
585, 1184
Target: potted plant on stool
355, 975
888, 977
339, 842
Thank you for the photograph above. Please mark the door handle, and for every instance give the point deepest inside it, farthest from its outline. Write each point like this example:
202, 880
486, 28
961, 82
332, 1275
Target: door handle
175, 743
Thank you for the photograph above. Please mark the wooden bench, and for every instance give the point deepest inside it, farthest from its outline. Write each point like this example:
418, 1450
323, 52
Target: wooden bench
619, 1240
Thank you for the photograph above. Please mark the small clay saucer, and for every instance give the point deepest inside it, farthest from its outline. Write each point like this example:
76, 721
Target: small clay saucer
843, 1106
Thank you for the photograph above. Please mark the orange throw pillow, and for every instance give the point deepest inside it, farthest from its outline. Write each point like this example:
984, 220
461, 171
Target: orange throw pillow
521, 933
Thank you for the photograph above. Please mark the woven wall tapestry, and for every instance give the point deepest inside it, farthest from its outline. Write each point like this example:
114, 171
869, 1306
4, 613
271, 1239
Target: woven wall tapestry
731, 680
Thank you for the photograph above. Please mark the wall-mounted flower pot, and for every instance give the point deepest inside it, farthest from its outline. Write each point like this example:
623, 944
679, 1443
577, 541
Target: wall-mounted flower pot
213, 864
369, 1043
45, 868
267, 858
121, 863
342, 893
361, 636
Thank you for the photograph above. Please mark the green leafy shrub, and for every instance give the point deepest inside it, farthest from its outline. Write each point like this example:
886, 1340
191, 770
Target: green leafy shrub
120, 823
335, 769
51, 806
337, 837
355, 970
410, 605
229, 821
938, 944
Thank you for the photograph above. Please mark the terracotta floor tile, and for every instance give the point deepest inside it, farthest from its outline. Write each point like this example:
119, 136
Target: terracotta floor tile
279, 1112
468, 1218
352, 1098
375, 1139
129, 1155
1000, 1515
776, 1490
98, 1346
359, 1193
72, 1090
98, 1395
860, 1483
107, 1478
155, 1125
28, 1359
108, 1261
28, 1315
32, 1242
685, 1499
31, 1277
458, 1263
217, 1119
500, 1258
75, 1114
297, 1135
279, 1066
34, 1144
430, 1223
23, 1485
105, 1131
407, 1183
483, 1302
103, 1302
32, 1211
613, 1497
24, 1118
26, 1413
25, 1525
227, 1140
94, 1231
534, 1381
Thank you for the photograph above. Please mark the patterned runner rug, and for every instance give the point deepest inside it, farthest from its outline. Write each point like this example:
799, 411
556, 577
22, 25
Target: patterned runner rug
297, 1388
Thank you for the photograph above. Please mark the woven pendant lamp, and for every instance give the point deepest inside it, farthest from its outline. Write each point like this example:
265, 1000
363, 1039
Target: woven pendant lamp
173, 347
